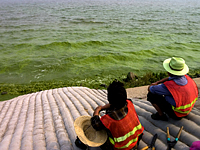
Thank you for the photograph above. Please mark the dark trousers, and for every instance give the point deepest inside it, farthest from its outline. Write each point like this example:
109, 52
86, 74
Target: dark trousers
160, 101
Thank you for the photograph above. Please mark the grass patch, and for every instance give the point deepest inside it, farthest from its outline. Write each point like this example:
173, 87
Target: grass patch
8, 91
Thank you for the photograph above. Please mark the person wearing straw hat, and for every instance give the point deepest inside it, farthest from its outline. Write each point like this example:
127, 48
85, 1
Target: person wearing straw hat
175, 95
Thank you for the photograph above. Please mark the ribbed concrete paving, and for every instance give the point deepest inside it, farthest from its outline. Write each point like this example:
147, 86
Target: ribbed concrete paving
44, 120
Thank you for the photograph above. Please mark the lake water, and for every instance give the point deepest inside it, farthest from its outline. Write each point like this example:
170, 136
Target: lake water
94, 40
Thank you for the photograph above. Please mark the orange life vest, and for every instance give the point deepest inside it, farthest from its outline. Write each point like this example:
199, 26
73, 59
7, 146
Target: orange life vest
125, 132
184, 96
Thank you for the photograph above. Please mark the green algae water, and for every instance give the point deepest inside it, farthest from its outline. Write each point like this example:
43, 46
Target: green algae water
94, 41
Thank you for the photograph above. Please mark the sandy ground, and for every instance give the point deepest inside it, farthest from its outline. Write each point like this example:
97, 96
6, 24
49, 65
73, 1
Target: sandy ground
141, 92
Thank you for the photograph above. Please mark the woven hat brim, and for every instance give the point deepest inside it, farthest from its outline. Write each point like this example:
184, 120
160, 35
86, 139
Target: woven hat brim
174, 72
101, 136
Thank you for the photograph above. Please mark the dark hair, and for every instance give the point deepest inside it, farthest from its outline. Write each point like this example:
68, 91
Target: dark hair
117, 95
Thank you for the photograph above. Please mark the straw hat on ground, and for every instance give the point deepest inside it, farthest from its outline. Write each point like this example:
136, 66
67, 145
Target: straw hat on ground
87, 134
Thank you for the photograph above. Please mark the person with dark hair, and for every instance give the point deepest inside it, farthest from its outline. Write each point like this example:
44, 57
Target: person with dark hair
120, 121
175, 95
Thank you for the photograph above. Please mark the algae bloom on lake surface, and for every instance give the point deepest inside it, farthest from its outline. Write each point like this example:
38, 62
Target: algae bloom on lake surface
94, 41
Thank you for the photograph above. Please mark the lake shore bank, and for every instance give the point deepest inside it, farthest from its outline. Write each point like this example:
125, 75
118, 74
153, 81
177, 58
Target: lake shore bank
9, 90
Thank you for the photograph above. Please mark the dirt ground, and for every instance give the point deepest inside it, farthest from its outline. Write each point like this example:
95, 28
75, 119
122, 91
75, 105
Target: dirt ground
141, 92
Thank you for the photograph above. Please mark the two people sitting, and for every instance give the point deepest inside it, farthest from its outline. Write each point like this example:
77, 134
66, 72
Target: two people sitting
174, 96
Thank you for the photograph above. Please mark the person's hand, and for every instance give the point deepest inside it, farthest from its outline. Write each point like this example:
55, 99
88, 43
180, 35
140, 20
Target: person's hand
97, 110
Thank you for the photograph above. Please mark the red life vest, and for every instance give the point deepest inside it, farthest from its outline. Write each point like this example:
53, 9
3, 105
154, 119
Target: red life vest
184, 96
125, 132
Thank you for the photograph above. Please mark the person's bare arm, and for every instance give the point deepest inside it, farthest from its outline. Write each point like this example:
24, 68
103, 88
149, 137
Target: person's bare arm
105, 107
99, 108
158, 82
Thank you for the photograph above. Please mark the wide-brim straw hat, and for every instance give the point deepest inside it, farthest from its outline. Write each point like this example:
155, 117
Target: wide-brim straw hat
87, 134
176, 66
